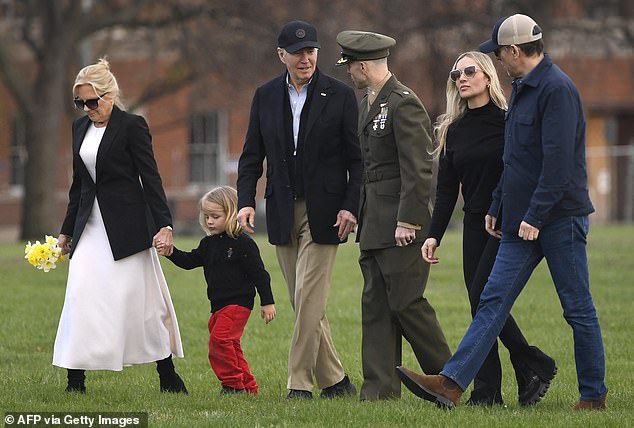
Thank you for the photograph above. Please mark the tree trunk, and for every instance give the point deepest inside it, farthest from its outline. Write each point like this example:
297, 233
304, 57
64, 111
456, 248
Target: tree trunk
43, 120
43, 116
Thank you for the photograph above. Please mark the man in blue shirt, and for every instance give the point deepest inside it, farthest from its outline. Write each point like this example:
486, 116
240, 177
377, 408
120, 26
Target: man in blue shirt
542, 200
303, 123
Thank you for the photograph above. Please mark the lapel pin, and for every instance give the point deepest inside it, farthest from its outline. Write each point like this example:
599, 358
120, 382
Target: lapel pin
323, 94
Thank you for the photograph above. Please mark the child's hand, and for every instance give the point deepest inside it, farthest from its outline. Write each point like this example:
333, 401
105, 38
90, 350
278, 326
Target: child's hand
268, 313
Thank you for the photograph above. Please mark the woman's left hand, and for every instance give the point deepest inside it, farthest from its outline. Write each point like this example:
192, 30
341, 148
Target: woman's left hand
164, 241
64, 243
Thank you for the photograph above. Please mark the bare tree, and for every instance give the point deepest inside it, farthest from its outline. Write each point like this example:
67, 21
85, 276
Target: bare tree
232, 45
39, 50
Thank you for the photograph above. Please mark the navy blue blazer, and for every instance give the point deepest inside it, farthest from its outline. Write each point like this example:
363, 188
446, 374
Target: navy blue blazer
128, 186
331, 158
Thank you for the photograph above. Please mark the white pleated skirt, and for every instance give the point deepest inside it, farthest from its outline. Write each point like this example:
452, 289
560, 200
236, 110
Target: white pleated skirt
116, 313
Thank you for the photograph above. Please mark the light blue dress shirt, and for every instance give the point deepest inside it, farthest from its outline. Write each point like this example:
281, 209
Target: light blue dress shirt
297, 99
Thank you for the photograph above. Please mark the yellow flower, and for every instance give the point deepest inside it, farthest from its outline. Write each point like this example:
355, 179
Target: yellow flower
44, 256
32, 259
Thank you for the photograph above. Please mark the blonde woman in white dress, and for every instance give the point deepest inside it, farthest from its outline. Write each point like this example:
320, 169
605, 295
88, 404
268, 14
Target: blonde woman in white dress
117, 310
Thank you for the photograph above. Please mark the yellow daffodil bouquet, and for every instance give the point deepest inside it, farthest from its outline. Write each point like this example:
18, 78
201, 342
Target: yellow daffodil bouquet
45, 255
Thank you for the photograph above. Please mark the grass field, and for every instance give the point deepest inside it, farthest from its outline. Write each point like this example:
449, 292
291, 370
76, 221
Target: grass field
31, 303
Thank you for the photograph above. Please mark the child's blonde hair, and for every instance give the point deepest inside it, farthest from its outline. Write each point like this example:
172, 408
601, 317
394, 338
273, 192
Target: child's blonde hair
227, 198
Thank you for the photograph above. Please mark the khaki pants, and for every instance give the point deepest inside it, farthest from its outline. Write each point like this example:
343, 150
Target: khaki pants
307, 268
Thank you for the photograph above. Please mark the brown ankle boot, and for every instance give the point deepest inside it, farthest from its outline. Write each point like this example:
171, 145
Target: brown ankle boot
591, 404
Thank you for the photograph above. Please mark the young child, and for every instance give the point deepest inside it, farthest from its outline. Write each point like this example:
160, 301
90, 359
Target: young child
233, 271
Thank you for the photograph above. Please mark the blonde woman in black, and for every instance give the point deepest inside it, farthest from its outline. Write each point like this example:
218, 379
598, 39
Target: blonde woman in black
471, 141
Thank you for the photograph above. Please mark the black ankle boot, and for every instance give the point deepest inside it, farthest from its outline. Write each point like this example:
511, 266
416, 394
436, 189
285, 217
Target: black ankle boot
76, 379
534, 374
170, 381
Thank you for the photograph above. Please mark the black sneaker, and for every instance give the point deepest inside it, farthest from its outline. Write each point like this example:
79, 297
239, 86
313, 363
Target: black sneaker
300, 394
340, 389
229, 390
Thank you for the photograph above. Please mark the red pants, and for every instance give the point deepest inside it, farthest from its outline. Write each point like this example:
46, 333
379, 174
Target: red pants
225, 353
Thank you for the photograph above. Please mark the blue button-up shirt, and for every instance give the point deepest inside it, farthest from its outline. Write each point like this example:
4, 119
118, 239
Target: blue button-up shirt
544, 174
297, 100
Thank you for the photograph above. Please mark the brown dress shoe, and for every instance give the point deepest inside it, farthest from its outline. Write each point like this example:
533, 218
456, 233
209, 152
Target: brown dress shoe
435, 388
591, 404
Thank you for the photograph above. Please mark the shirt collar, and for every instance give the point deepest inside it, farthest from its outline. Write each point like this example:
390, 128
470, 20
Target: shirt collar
534, 76
374, 90
290, 85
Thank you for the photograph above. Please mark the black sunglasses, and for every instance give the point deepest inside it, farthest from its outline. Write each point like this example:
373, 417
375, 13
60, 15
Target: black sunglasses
92, 103
468, 71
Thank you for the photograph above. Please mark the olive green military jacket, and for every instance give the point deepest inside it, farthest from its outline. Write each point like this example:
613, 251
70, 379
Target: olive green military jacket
396, 146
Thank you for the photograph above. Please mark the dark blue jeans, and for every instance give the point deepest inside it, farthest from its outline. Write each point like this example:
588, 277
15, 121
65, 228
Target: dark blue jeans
563, 244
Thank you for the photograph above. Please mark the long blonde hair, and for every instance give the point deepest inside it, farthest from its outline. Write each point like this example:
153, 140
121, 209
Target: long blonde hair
227, 198
101, 79
457, 106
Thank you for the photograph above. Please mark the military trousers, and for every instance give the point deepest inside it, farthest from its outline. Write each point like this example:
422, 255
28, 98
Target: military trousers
393, 307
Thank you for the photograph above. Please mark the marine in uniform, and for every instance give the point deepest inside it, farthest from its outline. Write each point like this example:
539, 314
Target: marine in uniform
395, 138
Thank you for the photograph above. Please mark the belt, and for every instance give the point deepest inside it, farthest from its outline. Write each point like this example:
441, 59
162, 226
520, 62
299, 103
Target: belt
372, 175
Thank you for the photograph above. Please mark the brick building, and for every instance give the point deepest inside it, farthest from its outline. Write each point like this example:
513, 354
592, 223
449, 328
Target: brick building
198, 131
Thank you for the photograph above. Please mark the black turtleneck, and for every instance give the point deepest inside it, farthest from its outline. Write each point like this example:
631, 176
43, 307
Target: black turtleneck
473, 159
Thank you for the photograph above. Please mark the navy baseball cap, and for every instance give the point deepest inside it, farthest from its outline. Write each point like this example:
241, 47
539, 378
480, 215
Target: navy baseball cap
297, 35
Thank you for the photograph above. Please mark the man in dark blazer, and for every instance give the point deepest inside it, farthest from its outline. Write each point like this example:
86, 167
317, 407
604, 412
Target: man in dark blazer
395, 137
304, 124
